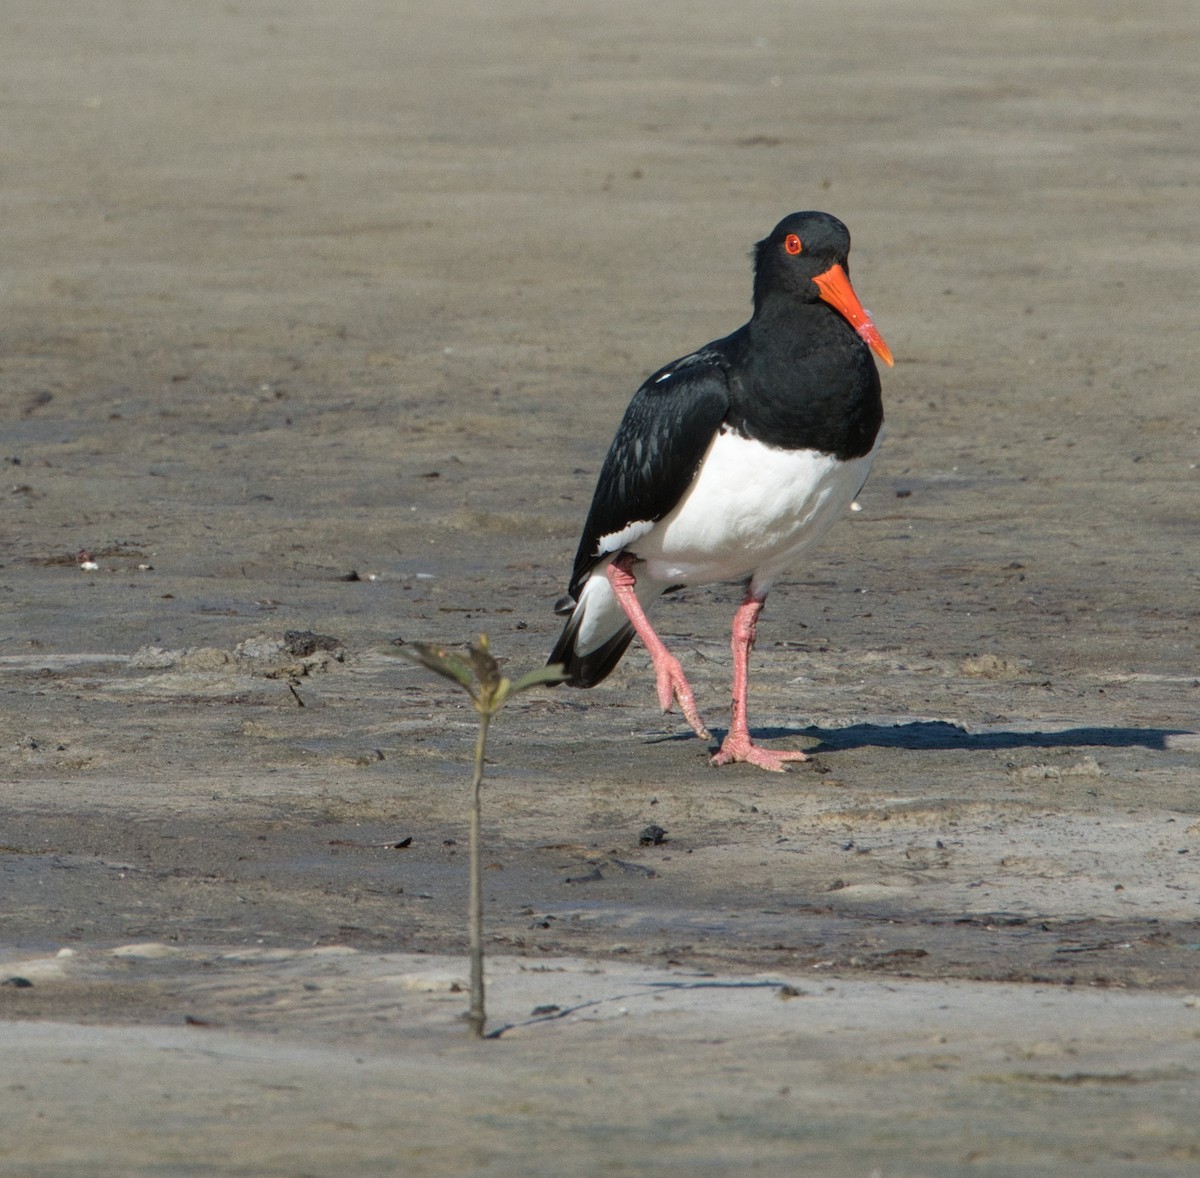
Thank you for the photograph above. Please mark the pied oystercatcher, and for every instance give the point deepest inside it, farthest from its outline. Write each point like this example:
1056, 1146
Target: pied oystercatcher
727, 465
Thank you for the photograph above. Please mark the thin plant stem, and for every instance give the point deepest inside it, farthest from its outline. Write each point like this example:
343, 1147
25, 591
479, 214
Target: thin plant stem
479, 676
476, 1017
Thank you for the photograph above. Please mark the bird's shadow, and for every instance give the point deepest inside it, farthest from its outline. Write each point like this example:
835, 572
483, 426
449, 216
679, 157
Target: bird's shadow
942, 736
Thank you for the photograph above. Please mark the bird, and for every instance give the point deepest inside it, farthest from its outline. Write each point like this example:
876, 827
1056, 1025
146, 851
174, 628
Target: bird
728, 464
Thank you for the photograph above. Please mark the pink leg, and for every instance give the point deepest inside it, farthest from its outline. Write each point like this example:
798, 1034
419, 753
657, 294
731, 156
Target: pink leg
671, 682
737, 745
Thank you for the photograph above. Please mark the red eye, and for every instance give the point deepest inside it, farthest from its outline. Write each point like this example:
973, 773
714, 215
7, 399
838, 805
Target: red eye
792, 244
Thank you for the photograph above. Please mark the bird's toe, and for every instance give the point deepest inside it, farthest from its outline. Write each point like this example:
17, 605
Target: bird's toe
739, 748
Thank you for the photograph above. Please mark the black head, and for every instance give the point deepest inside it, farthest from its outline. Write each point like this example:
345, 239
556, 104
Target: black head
805, 260
799, 248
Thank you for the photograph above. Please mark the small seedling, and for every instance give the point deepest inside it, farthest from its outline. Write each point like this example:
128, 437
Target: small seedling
479, 676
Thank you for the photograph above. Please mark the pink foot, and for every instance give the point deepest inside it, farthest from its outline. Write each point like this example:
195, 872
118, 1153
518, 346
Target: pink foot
672, 683
737, 746
673, 687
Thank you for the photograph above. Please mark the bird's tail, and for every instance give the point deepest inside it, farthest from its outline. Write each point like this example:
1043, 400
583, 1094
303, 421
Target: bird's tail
596, 635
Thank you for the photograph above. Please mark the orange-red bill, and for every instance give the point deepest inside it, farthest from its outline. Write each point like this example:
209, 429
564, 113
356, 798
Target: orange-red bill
836, 290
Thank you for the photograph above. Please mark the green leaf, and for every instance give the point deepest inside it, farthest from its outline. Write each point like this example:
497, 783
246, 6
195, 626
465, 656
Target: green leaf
437, 659
552, 674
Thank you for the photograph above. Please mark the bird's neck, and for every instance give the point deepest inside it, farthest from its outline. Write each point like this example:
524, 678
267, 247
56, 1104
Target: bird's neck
787, 326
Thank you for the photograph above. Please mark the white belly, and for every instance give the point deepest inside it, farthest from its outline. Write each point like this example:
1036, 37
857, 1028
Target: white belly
750, 511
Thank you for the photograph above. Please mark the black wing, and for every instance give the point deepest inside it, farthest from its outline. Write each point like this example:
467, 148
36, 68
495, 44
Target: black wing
659, 444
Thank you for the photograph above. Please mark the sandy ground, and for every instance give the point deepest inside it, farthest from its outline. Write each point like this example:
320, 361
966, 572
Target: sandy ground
315, 320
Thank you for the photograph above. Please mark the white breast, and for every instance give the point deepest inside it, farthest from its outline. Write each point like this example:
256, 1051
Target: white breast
750, 511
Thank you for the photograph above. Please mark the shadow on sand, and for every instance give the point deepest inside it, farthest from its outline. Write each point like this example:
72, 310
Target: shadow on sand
941, 735
937, 735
